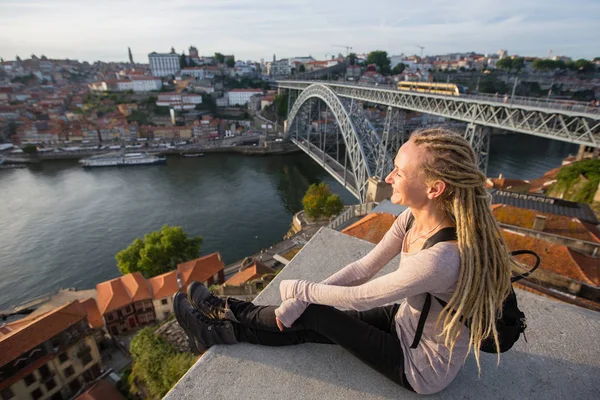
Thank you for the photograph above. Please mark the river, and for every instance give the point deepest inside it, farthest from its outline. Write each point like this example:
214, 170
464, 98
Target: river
61, 225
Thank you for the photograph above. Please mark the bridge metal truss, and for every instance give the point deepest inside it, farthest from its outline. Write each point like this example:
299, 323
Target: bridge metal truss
564, 125
362, 144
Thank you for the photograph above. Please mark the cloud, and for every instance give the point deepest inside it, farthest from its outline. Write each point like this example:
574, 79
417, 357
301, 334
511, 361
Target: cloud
253, 29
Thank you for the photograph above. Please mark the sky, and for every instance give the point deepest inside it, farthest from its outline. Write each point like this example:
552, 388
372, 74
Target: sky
90, 30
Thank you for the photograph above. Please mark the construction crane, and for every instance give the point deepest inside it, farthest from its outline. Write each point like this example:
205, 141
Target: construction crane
421, 47
348, 48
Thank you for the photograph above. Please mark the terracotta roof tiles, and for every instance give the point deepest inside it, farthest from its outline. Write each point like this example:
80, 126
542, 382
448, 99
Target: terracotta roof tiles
372, 228
101, 390
93, 314
38, 330
200, 269
254, 271
119, 292
164, 285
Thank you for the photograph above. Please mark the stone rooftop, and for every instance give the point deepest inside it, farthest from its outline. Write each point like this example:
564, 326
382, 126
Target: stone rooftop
560, 360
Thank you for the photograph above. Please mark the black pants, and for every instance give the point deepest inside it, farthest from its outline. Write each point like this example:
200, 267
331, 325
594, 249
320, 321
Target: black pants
368, 335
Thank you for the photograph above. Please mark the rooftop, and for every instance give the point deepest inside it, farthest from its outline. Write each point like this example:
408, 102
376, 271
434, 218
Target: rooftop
562, 346
200, 269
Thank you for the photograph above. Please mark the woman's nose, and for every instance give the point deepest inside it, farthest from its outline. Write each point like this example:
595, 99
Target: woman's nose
388, 178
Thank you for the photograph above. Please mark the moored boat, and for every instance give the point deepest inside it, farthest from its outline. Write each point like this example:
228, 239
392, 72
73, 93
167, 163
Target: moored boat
122, 160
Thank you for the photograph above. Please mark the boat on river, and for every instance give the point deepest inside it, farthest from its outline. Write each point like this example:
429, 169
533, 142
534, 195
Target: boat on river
189, 155
122, 160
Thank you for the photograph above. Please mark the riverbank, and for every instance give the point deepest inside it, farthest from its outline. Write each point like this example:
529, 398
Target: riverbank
274, 148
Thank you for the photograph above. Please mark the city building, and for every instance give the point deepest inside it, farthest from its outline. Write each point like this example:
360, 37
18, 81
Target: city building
101, 390
163, 287
164, 64
240, 97
280, 68
48, 356
252, 272
125, 303
196, 72
145, 83
178, 101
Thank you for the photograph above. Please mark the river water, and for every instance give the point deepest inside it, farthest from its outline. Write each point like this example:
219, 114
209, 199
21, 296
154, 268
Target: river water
61, 225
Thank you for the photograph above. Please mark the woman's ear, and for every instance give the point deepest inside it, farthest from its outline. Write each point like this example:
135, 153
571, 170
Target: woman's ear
436, 189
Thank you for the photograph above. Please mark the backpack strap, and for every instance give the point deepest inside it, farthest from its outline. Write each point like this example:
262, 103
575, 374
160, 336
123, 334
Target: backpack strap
526, 274
443, 235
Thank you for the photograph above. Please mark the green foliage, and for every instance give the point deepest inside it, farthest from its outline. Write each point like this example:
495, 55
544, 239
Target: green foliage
319, 201
220, 58
138, 116
158, 252
29, 149
398, 69
352, 58
569, 176
333, 205
23, 79
156, 364
281, 104
230, 62
301, 68
381, 60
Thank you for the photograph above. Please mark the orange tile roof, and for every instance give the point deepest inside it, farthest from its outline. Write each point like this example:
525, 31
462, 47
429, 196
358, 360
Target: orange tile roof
200, 269
38, 330
555, 224
254, 271
101, 390
372, 228
119, 292
164, 285
557, 258
93, 314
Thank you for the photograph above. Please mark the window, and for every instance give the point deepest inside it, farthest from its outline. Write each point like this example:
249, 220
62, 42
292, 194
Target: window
44, 371
75, 386
69, 371
63, 357
164, 302
109, 317
166, 314
127, 309
36, 394
51, 384
29, 379
6, 394
86, 359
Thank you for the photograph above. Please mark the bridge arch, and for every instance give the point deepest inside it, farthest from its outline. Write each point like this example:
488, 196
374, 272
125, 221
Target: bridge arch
357, 152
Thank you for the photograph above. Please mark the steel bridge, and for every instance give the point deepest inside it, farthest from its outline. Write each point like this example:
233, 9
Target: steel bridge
352, 150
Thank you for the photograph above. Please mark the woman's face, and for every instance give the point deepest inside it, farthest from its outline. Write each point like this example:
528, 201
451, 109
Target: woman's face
408, 184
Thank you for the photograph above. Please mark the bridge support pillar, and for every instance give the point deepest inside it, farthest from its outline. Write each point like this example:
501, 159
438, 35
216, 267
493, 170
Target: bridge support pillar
377, 190
479, 137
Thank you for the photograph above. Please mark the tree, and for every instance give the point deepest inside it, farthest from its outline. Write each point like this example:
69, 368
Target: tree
319, 201
381, 60
398, 69
518, 64
182, 61
352, 58
220, 58
156, 364
505, 63
230, 62
301, 68
158, 252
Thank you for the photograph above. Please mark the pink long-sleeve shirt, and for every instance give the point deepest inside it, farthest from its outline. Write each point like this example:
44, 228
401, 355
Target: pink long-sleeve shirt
428, 368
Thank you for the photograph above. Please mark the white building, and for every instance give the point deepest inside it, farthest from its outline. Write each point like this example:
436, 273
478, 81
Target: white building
146, 83
178, 101
280, 68
240, 97
164, 64
196, 72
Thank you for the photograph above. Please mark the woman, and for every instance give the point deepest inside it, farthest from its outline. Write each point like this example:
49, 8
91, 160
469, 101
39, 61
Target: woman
435, 174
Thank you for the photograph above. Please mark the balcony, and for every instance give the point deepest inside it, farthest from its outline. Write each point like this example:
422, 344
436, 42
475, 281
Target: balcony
562, 348
83, 350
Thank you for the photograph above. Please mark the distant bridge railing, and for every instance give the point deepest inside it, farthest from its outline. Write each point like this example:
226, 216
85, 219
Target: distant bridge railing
357, 210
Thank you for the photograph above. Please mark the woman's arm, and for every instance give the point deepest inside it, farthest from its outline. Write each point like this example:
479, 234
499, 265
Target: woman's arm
429, 271
356, 273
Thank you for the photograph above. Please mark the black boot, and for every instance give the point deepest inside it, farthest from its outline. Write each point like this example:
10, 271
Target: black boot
209, 305
202, 331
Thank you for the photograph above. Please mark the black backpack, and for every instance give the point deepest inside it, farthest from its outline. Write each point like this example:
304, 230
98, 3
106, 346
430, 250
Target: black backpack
512, 322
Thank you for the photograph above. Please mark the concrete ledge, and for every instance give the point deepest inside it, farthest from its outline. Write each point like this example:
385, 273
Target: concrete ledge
560, 360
